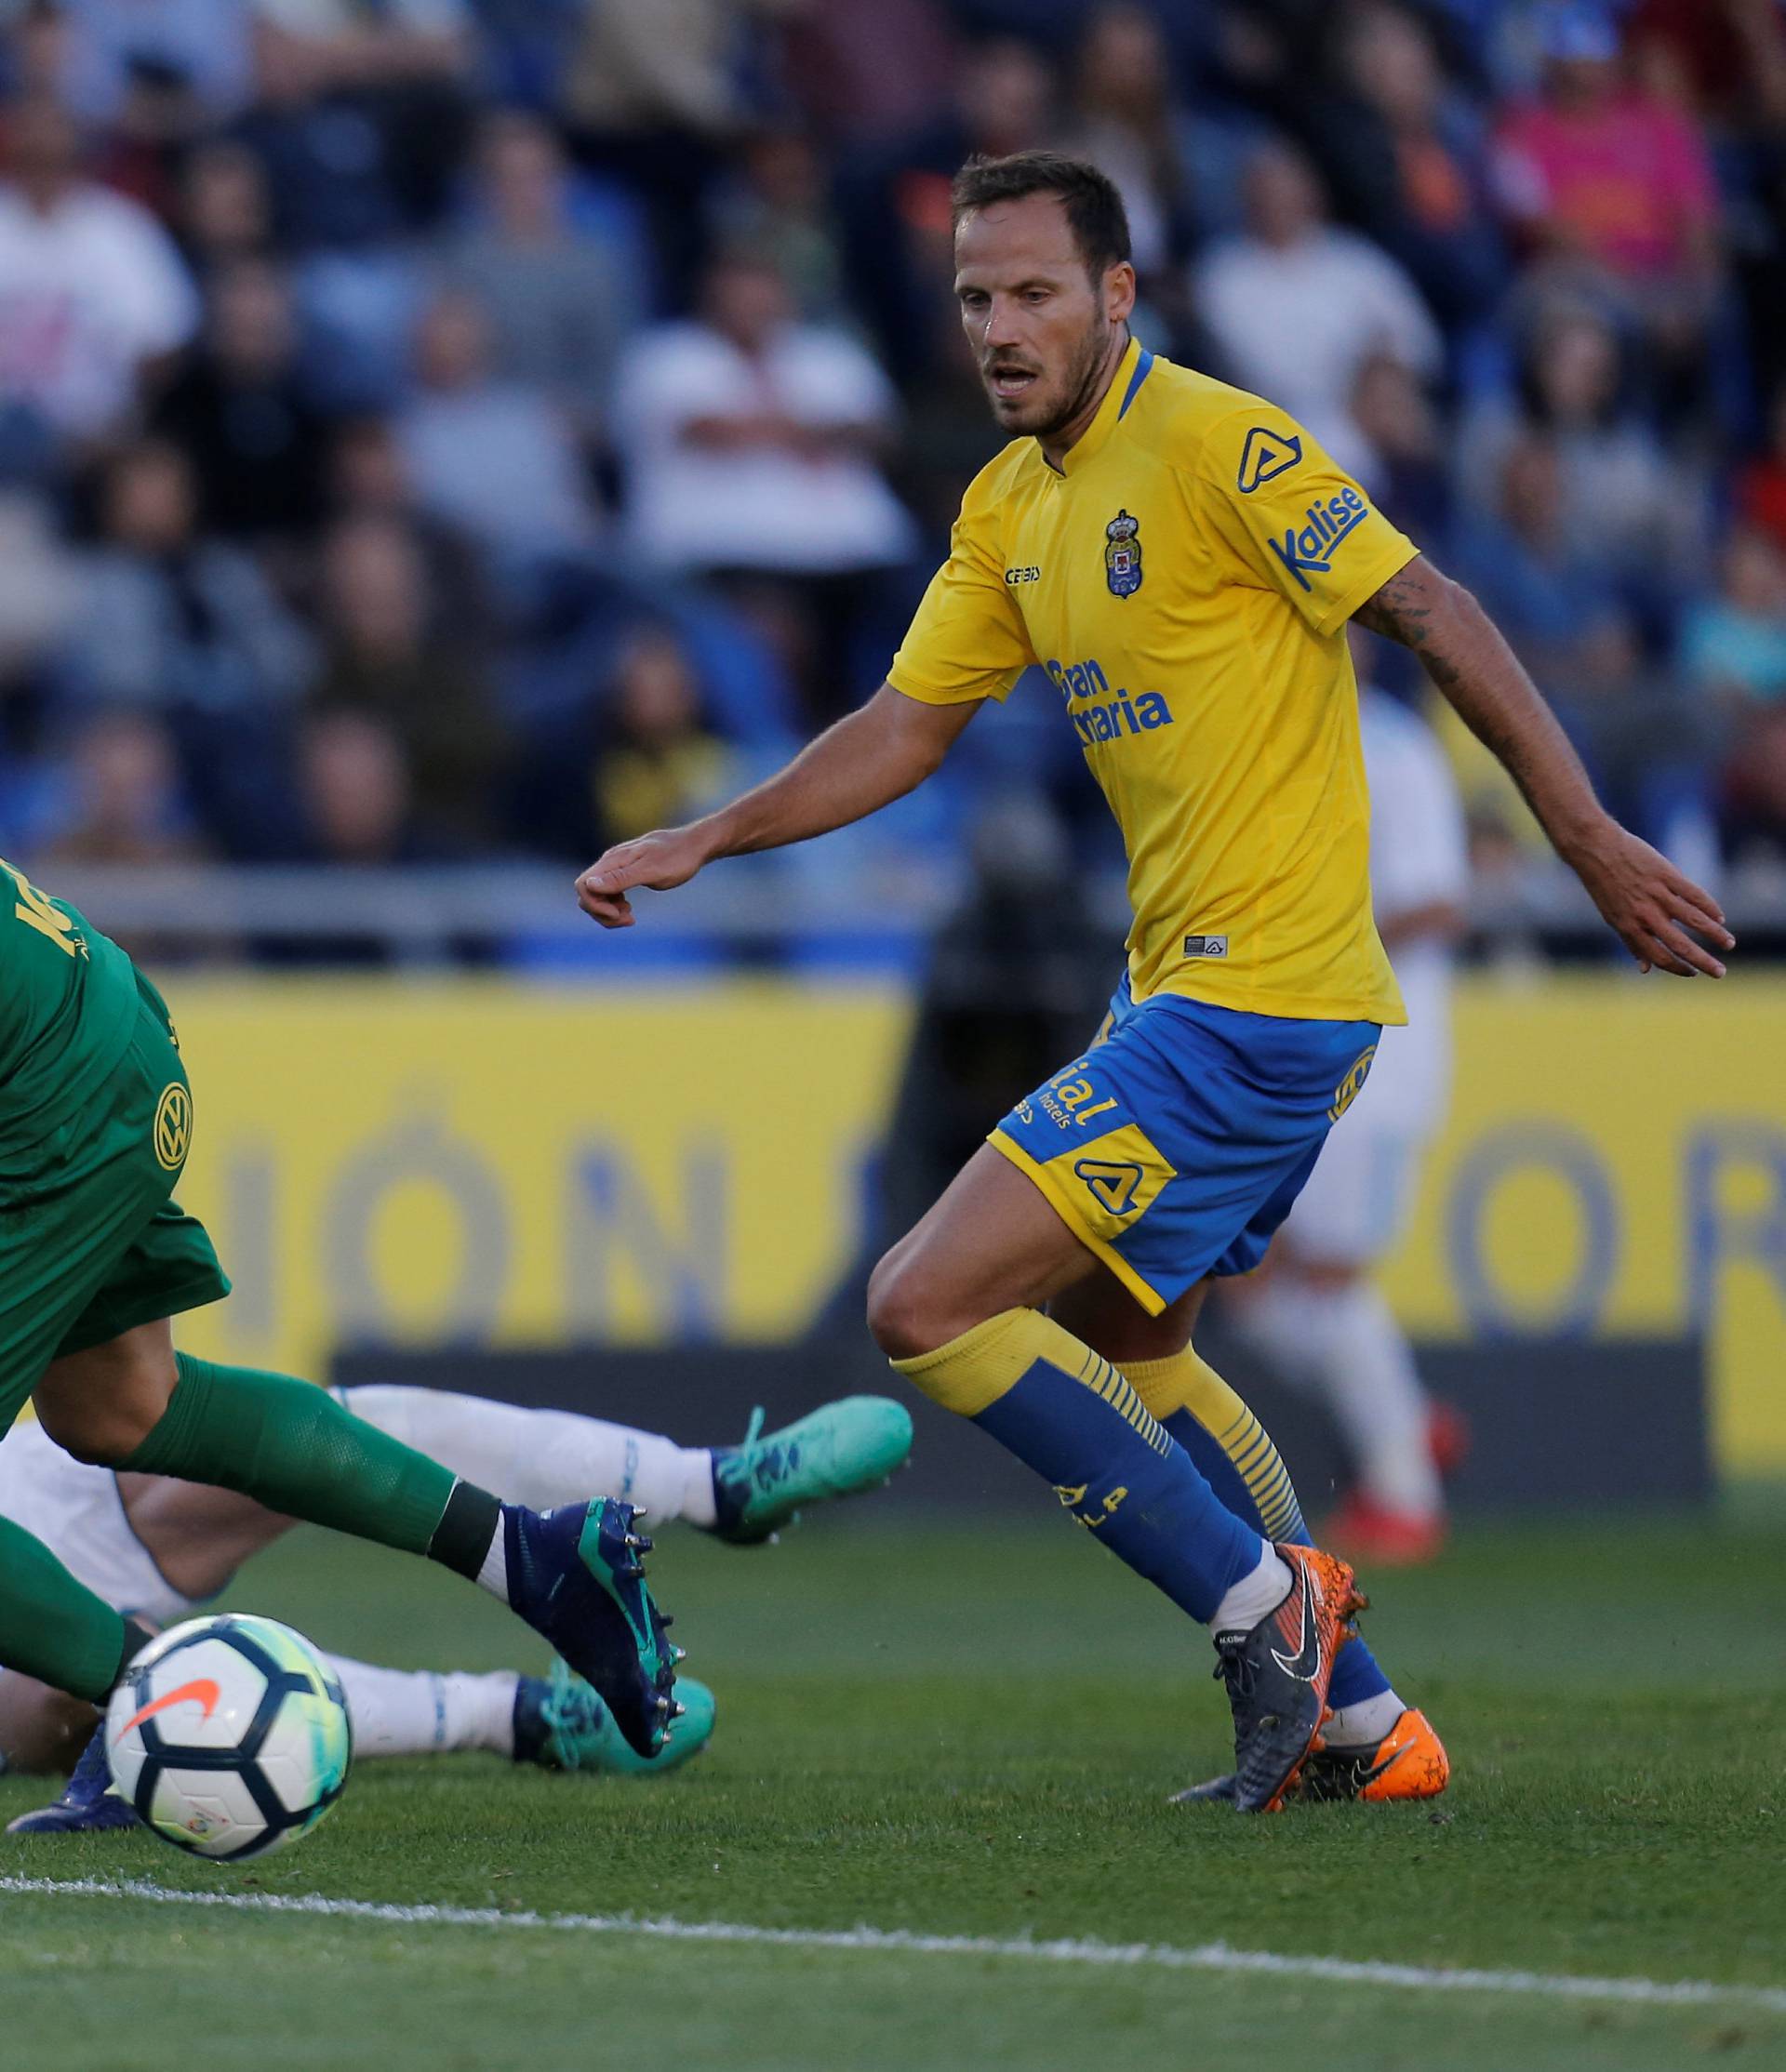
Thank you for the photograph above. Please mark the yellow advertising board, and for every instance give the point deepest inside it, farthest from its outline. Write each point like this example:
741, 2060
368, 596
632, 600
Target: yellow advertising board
524, 1165
1615, 1162
487, 1163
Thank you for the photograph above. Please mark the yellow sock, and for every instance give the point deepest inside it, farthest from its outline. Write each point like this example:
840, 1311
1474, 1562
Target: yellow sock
1186, 1382
971, 1373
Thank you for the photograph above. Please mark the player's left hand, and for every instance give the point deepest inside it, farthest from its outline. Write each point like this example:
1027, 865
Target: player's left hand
658, 861
1656, 911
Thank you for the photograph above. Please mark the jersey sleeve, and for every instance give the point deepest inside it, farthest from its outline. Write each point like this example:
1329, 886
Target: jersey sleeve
1292, 520
967, 640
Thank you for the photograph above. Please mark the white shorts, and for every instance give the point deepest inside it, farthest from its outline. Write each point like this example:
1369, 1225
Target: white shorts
1356, 1201
77, 1513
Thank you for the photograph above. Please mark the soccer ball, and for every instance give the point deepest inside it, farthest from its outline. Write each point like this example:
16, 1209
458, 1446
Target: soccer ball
229, 1736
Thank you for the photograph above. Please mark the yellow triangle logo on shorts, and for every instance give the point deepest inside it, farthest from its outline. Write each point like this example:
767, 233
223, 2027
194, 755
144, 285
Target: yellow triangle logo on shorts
1114, 1186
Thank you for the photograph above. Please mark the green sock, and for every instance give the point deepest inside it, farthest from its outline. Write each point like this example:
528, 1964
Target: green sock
51, 1626
292, 1447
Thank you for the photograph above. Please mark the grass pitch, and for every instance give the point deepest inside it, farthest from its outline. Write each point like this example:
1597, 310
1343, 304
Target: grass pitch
972, 1733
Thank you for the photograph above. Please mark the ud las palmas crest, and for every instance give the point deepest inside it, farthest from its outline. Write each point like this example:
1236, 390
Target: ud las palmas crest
1123, 555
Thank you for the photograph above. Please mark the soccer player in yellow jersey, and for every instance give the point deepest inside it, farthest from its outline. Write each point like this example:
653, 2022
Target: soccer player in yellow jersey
1181, 560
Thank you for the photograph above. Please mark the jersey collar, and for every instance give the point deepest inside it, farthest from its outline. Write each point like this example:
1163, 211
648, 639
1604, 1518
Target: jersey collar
1132, 370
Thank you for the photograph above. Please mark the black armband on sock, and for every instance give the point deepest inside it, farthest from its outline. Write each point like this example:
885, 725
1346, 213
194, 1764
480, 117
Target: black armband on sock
136, 1638
472, 1520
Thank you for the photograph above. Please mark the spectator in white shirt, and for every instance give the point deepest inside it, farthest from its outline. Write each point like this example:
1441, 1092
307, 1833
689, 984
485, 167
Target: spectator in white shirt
750, 441
92, 290
1297, 307
751, 438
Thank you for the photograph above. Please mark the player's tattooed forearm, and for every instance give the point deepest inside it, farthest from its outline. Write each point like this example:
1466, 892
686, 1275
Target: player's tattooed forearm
1404, 608
1427, 613
1471, 664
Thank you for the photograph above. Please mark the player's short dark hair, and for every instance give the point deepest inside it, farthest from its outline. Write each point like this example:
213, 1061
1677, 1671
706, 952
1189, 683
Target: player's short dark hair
1095, 211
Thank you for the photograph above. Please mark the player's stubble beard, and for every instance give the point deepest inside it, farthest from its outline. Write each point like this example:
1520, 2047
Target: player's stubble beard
1079, 387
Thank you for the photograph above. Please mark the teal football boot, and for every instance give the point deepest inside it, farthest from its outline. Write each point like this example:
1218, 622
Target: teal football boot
560, 1723
836, 1450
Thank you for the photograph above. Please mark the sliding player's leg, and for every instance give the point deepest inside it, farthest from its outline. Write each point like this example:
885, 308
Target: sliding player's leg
540, 1457
740, 1493
553, 1722
133, 1404
159, 1546
1374, 1744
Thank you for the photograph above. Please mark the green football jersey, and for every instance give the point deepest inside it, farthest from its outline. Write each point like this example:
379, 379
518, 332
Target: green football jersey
68, 1006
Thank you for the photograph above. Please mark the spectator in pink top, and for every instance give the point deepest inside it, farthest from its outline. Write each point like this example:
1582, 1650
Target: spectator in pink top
1603, 178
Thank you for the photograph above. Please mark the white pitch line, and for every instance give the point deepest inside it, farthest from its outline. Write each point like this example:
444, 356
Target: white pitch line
1201, 1957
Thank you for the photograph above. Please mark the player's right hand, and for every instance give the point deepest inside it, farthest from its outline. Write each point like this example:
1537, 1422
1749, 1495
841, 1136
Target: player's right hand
1655, 910
658, 861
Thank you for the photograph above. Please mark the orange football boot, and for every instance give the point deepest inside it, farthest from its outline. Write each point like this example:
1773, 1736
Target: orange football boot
1408, 1763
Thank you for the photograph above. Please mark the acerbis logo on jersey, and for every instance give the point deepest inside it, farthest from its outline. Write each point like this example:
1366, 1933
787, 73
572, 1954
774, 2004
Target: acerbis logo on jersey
1206, 946
1330, 519
1266, 455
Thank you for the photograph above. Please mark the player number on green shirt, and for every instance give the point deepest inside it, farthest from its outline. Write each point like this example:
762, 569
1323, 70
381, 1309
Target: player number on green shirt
34, 909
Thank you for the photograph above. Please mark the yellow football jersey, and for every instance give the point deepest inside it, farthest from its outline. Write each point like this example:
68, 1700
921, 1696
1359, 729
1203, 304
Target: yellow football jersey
1185, 580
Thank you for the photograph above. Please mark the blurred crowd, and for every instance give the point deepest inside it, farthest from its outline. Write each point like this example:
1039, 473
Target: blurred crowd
431, 429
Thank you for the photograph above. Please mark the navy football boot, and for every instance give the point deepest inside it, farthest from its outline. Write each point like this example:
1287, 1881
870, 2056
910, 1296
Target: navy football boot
88, 1804
576, 1575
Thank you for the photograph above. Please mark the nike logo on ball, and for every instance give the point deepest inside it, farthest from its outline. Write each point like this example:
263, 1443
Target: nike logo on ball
201, 1691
